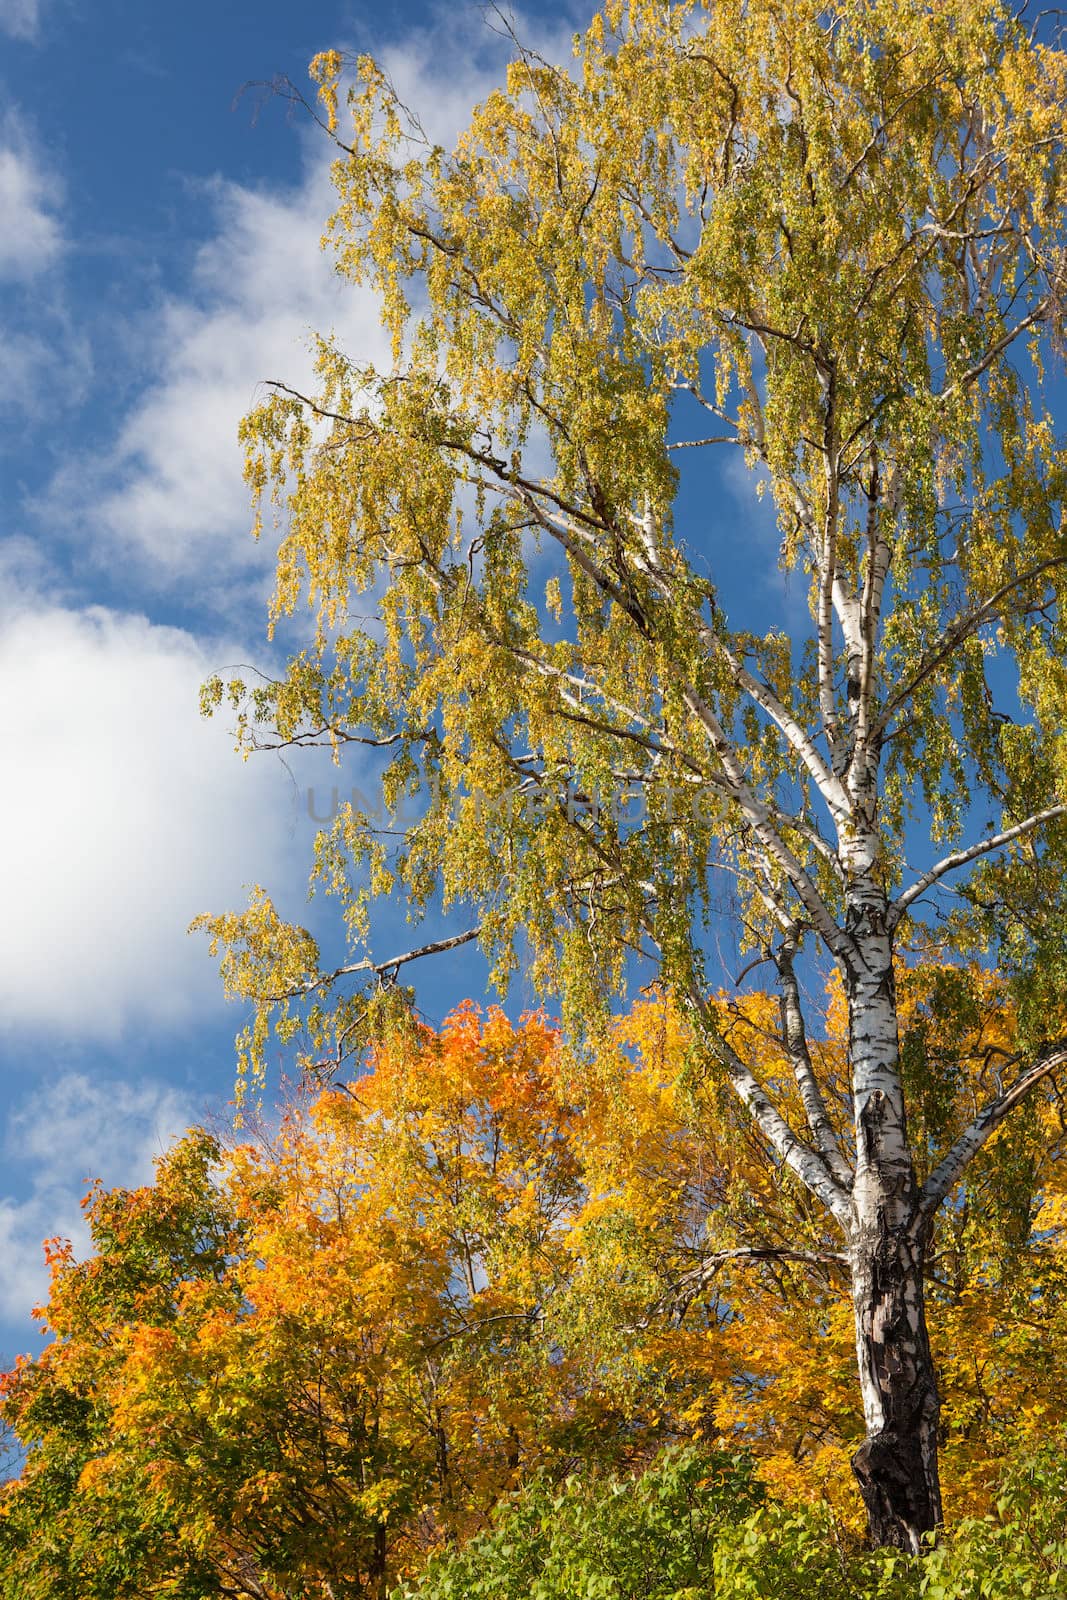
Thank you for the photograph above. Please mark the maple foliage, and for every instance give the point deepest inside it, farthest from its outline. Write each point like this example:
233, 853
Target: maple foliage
351, 1371
88, 1516
302, 1364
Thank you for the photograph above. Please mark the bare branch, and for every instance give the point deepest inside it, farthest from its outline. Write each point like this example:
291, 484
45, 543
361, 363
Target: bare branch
715, 438
809, 1165
829, 583
286, 89
945, 1176
878, 558
379, 969
794, 1037
329, 734
960, 858
691, 1284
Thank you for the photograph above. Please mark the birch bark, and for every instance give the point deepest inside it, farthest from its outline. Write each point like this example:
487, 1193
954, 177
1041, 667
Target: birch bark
896, 1465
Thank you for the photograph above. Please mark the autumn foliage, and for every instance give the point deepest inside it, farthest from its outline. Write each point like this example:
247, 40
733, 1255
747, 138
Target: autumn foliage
816, 246
303, 1363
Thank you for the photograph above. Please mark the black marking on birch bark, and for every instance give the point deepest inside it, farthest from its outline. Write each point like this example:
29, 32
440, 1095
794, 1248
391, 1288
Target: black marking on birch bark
896, 1466
871, 1120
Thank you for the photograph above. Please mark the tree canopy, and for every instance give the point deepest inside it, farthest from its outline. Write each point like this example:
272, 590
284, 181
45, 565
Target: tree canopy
828, 242
314, 1362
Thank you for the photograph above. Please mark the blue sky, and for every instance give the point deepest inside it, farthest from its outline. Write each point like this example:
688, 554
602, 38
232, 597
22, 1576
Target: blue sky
158, 258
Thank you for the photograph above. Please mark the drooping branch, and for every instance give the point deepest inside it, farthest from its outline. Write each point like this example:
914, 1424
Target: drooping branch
656, 741
759, 816
756, 813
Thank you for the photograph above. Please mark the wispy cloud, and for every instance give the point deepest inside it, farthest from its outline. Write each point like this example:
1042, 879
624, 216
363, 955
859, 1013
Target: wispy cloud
172, 497
44, 353
46, 371
57, 1140
31, 238
20, 18
168, 498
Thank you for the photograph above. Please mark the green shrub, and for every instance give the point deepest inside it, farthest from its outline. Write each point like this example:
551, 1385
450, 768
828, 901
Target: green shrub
781, 1553
698, 1527
1019, 1554
653, 1536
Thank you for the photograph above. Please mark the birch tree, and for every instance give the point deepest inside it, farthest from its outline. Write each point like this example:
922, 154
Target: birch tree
826, 240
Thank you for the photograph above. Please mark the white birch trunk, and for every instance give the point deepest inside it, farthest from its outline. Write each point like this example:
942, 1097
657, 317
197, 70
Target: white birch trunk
897, 1464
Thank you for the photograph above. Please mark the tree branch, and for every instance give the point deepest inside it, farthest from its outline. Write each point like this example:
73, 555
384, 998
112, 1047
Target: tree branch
808, 1164
945, 1176
758, 816
995, 349
798, 739
682, 1293
955, 636
960, 858
379, 969
795, 1039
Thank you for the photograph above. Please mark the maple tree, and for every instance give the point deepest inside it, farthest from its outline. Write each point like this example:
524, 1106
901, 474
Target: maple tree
291, 1368
828, 239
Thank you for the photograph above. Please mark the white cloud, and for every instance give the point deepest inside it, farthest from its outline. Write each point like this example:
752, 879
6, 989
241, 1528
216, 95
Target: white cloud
45, 372
31, 238
57, 1140
80, 1128
122, 815
170, 500
44, 353
176, 501
19, 18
